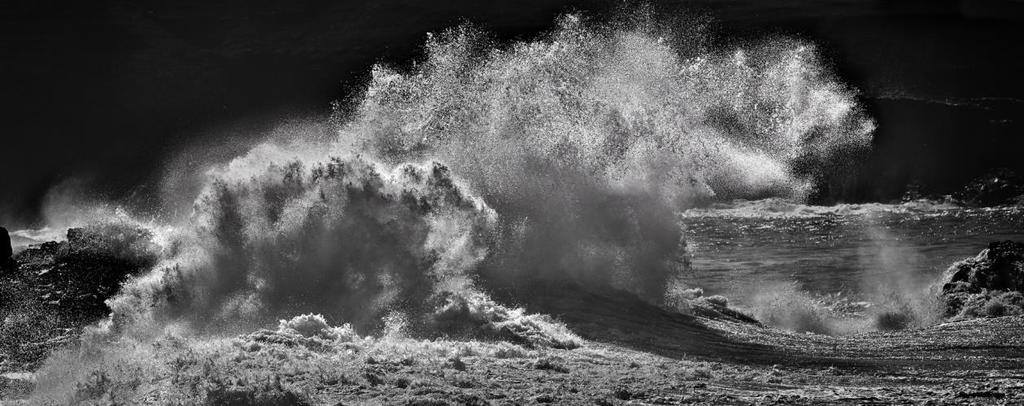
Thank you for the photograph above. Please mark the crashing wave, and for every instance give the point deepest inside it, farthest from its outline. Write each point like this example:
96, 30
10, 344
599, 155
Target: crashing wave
589, 140
349, 238
484, 169
624, 107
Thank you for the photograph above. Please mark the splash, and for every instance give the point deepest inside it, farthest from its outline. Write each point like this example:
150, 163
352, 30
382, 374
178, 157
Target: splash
590, 140
455, 187
620, 106
348, 237
486, 169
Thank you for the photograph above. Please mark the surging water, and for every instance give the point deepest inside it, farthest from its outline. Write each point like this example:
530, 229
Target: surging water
583, 156
883, 256
588, 141
564, 158
345, 238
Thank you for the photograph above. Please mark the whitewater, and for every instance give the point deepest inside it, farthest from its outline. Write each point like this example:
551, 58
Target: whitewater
564, 158
614, 161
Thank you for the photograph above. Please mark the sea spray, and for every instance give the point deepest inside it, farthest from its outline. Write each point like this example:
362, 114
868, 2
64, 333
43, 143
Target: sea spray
580, 148
348, 238
484, 169
903, 298
588, 141
584, 145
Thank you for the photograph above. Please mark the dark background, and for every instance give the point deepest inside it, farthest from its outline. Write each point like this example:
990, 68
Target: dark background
103, 91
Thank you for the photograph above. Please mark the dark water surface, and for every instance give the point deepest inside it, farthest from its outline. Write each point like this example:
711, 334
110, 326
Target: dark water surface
744, 247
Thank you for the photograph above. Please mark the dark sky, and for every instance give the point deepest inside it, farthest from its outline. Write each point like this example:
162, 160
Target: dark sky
103, 91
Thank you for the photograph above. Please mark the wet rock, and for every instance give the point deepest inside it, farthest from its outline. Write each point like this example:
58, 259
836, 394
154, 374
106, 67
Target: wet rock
1000, 187
990, 284
59, 287
6, 251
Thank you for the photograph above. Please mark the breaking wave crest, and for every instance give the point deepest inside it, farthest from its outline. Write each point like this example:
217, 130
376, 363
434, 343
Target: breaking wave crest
589, 141
346, 238
622, 108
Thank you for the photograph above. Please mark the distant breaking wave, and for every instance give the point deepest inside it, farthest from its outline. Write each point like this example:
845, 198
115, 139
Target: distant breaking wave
485, 168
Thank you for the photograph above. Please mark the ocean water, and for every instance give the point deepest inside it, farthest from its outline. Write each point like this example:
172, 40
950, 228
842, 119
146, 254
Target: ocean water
742, 248
454, 188
486, 167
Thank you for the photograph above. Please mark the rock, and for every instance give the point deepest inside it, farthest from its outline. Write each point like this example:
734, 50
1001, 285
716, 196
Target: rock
990, 284
76, 235
1000, 187
60, 287
6, 251
999, 267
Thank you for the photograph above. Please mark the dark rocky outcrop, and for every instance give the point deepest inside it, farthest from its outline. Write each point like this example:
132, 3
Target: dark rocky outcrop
988, 285
58, 288
1000, 187
6, 251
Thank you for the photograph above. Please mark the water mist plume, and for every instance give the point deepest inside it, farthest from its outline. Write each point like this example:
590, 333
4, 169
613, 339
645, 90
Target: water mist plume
483, 168
347, 238
589, 141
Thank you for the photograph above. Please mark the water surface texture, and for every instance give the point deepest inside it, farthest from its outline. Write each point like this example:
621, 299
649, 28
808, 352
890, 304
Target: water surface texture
850, 249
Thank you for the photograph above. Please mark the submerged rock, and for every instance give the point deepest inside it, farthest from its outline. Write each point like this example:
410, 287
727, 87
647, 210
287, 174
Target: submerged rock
990, 284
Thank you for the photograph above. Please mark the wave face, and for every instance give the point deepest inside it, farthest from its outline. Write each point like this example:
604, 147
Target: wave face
486, 168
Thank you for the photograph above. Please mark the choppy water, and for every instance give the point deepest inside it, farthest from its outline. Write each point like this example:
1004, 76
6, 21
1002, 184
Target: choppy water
740, 248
